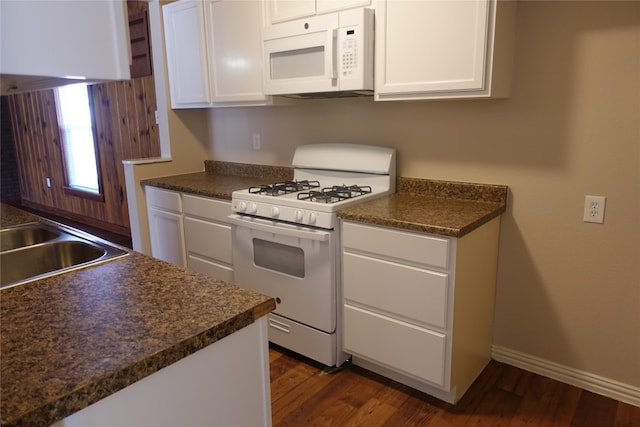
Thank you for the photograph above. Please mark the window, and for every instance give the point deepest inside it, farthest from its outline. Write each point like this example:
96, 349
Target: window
75, 119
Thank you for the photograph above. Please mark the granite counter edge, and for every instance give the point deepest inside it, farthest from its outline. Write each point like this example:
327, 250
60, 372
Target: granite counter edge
113, 382
421, 227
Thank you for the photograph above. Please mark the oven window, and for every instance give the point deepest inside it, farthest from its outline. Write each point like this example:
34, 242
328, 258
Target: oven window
278, 257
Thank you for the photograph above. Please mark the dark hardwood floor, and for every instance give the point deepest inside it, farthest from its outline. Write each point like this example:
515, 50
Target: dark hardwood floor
304, 394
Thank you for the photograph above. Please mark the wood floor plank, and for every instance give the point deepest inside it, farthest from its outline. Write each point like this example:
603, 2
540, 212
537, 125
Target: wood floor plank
331, 390
627, 415
305, 393
374, 413
414, 412
496, 409
594, 410
535, 403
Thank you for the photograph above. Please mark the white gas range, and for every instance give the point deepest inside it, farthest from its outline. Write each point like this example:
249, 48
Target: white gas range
286, 241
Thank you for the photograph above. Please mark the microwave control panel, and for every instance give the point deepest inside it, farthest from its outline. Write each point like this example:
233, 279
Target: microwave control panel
349, 53
354, 45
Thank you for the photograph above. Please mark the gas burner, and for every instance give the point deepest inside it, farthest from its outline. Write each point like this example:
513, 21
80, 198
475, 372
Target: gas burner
335, 194
285, 187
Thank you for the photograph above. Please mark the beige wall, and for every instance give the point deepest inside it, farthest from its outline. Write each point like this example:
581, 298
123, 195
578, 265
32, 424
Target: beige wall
568, 291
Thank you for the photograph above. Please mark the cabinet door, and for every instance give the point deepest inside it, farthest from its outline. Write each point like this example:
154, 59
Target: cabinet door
435, 48
285, 10
166, 228
167, 236
325, 6
235, 50
184, 33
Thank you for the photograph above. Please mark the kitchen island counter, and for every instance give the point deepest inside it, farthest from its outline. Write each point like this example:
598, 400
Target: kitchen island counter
438, 207
73, 339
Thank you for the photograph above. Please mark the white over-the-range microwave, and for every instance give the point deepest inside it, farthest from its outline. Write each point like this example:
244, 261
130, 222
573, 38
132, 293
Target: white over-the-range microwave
321, 56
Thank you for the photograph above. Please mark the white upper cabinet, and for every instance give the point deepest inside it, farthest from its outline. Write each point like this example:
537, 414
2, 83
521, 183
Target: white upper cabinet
45, 44
214, 53
286, 10
443, 48
235, 51
184, 33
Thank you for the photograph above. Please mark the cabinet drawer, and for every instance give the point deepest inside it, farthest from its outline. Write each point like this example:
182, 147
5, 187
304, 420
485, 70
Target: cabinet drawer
397, 345
409, 292
211, 269
217, 210
163, 199
208, 239
413, 247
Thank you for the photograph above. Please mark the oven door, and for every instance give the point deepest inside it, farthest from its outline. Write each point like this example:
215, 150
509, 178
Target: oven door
295, 265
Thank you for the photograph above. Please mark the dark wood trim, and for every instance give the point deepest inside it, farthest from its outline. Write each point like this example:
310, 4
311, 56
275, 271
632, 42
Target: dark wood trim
71, 191
124, 231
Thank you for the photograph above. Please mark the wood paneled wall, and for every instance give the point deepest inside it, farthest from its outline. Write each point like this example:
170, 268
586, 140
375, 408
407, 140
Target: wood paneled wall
125, 129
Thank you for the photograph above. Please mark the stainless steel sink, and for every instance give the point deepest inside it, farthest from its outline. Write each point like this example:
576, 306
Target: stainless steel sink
26, 235
37, 250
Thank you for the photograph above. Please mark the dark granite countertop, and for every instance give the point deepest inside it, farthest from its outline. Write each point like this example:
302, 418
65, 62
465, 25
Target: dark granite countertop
220, 179
429, 206
70, 340
440, 207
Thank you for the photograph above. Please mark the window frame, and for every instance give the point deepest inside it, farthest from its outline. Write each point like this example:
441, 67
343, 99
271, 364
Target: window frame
68, 188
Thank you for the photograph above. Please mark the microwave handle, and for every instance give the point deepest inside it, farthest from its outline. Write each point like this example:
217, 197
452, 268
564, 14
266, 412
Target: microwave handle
331, 64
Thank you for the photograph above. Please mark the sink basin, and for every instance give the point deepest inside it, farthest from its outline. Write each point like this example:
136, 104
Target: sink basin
37, 250
26, 235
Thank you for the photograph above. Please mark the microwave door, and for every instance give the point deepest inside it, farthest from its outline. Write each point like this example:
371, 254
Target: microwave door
304, 63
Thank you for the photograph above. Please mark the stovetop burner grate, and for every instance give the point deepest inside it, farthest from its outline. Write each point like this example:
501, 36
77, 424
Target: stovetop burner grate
285, 187
335, 193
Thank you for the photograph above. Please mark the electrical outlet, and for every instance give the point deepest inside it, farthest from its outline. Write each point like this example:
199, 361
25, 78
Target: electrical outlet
594, 209
255, 139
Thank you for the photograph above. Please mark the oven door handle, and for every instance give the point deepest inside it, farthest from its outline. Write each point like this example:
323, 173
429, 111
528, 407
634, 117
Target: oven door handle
284, 230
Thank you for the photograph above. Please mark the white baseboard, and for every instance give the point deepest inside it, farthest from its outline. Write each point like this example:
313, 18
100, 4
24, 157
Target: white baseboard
595, 383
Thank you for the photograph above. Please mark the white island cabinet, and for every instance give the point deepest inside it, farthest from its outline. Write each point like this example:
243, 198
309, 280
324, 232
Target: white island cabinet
440, 49
214, 53
224, 384
418, 308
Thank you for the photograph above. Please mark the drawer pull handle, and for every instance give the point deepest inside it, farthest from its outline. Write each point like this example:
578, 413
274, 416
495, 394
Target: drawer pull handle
279, 326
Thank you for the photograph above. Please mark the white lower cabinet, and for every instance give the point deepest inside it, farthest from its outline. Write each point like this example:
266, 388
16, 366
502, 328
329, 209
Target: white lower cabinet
191, 231
418, 308
208, 236
164, 209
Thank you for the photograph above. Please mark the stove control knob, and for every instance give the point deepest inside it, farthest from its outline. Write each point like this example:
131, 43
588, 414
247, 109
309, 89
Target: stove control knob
253, 208
298, 216
312, 218
242, 206
275, 212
